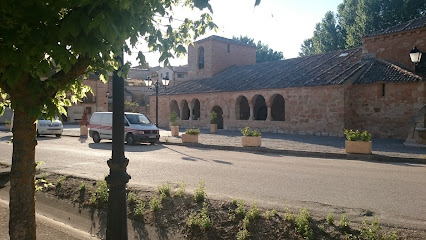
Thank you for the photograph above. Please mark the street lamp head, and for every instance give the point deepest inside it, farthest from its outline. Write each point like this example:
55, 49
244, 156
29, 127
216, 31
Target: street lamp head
148, 81
165, 81
415, 55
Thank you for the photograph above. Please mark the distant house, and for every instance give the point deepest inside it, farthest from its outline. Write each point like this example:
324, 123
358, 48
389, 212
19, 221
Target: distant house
176, 75
372, 88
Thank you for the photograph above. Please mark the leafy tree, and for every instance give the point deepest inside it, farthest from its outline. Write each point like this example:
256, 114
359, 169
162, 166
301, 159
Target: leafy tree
263, 52
45, 49
357, 18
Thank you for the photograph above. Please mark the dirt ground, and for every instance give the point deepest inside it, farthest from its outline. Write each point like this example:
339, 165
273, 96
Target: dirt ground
178, 212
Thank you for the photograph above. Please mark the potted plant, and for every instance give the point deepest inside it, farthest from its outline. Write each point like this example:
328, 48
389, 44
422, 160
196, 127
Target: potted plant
190, 135
250, 138
7, 125
357, 142
213, 122
174, 127
84, 124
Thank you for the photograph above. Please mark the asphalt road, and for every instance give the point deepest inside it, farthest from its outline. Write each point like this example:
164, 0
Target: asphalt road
394, 192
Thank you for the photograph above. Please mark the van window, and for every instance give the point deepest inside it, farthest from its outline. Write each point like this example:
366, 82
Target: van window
137, 119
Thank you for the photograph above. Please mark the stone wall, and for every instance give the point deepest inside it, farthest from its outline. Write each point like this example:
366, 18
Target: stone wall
308, 110
396, 47
387, 116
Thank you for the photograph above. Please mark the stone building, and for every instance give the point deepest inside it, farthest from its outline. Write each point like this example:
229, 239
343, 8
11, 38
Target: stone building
372, 88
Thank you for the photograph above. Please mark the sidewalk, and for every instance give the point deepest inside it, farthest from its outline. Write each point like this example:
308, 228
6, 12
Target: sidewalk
388, 150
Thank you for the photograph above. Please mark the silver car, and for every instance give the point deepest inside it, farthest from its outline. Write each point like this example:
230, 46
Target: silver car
48, 127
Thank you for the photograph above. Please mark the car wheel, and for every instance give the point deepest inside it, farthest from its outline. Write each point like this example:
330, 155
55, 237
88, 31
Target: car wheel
130, 139
58, 135
38, 134
96, 137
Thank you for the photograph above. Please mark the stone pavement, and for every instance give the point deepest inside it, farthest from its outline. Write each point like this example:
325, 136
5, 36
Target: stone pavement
392, 150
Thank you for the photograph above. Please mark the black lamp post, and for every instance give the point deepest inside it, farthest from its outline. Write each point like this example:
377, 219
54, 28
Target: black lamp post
415, 56
149, 83
118, 177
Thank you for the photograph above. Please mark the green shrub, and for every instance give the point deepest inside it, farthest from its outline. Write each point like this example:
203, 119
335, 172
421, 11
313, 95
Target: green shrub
302, 222
330, 219
131, 198
200, 192
213, 117
164, 188
60, 180
344, 223
192, 131
181, 189
140, 208
270, 214
351, 135
249, 133
82, 187
200, 220
241, 208
365, 136
100, 195
254, 212
173, 118
155, 203
288, 215
243, 234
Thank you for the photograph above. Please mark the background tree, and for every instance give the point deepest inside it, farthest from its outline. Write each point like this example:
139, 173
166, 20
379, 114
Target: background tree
357, 18
263, 52
45, 48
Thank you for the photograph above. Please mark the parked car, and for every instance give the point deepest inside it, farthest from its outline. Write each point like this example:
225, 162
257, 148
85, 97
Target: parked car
137, 128
49, 127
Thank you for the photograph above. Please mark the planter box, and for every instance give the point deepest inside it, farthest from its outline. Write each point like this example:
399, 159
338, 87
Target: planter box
213, 128
358, 147
174, 130
251, 141
189, 138
84, 130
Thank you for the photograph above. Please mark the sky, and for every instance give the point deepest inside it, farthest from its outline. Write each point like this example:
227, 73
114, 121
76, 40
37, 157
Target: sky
282, 24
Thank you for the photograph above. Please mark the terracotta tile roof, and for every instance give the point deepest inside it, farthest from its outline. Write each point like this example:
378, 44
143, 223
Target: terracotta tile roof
382, 71
318, 70
405, 26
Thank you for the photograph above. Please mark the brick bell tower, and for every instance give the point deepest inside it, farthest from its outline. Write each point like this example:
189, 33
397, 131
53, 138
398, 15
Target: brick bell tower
212, 55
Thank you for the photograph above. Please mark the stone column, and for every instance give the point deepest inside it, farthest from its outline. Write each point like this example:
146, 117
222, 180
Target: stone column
251, 112
269, 116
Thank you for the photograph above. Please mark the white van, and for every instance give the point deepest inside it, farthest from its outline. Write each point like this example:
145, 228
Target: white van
137, 128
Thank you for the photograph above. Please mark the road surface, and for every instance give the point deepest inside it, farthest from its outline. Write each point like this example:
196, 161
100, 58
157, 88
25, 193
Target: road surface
394, 192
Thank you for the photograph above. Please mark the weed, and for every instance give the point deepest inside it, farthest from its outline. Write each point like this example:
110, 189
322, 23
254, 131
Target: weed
131, 198
41, 183
155, 204
200, 220
246, 222
100, 195
330, 219
243, 234
60, 180
302, 224
82, 187
231, 215
200, 192
44, 176
234, 202
288, 216
254, 212
270, 214
344, 223
181, 189
140, 208
162, 197
241, 209
164, 188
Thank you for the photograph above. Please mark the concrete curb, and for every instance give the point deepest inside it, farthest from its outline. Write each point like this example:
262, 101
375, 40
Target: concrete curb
362, 157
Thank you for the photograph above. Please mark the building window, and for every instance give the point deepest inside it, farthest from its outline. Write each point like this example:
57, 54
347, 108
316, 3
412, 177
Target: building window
200, 58
383, 90
228, 48
180, 75
89, 110
89, 98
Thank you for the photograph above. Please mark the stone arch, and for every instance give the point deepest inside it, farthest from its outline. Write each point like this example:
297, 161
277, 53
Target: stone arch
200, 57
174, 107
196, 109
185, 110
219, 113
242, 108
277, 108
260, 110
217, 102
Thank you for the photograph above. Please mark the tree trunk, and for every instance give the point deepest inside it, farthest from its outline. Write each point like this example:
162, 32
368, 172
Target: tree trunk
22, 205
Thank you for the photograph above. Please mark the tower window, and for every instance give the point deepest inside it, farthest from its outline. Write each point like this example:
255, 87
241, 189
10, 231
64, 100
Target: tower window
200, 58
383, 90
228, 48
